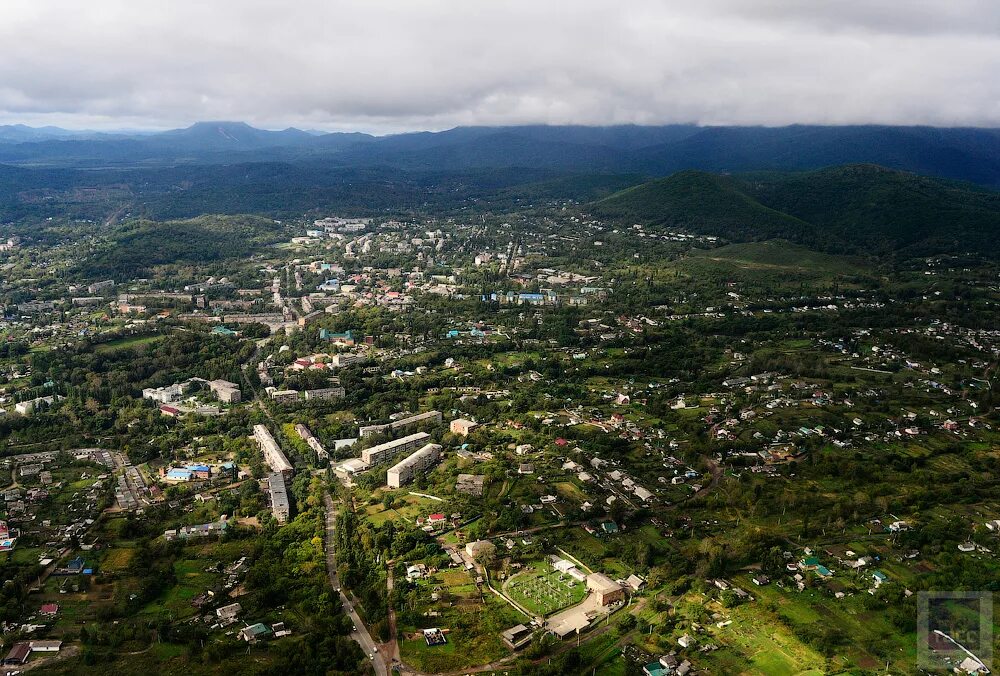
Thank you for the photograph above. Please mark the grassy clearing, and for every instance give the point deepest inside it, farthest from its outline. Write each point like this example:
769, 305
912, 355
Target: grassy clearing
129, 342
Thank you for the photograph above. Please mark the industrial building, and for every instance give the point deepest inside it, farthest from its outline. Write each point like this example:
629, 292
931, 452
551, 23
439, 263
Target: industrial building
403, 471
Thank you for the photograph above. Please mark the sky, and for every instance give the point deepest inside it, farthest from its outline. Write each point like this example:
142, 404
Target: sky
387, 66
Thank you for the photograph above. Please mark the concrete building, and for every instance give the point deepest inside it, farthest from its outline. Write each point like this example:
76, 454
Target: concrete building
273, 455
325, 393
606, 589
383, 452
164, 395
402, 423
225, 391
346, 359
403, 471
470, 484
462, 427
279, 497
283, 396
312, 441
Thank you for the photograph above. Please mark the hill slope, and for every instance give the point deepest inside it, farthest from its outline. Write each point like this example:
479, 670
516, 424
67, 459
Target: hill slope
855, 208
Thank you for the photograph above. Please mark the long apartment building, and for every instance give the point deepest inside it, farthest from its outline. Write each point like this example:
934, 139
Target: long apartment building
313, 442
376, 455
279, 497
420, 418
273, 455
419, 461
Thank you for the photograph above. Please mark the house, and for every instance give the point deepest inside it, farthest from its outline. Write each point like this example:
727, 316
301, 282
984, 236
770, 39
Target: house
635, 583
655, 669
49, 609
607, 590
686, 641
760, 579
525, 468
255, 632
516, 637
227, 614
879, 578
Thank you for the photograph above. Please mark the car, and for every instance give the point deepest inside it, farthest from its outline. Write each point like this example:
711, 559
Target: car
355, 628
371, 656
375, 648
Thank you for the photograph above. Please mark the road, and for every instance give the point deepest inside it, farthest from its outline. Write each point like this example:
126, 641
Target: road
361, 635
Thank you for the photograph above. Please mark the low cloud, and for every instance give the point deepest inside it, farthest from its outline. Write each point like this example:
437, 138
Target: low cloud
389, 66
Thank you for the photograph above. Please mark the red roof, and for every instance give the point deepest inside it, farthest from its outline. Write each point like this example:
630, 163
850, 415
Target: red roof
49, 609
561, 442
436, 517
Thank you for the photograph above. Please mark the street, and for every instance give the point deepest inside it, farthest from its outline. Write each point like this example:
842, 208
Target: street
361, 635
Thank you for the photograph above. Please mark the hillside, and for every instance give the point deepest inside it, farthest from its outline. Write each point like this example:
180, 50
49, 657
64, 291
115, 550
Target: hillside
856, 209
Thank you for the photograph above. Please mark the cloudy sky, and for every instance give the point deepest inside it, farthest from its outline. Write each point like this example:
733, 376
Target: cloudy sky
392, 65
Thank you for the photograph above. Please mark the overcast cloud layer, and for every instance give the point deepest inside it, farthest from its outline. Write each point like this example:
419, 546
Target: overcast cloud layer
380, 65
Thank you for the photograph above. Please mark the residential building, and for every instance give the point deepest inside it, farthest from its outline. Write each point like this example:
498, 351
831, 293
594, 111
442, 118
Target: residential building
462, 427
325, 393
279, 497
403, 472
283, 396
470, 484
273, 455
383, 452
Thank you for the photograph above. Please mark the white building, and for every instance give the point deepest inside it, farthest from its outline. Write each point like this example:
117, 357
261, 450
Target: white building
382, 452
273, 455
403, 471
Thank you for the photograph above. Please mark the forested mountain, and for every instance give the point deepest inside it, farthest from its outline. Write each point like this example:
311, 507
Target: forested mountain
957, 153
855, 208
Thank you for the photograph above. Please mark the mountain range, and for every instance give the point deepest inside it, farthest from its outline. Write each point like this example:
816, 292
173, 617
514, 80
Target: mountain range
968, 154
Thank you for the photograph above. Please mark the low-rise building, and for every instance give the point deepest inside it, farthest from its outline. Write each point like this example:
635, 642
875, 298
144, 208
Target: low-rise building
273, 455
225, 391
383, 452
325, 393
280, 506
462, 427
405, 470
606, 589
470, 484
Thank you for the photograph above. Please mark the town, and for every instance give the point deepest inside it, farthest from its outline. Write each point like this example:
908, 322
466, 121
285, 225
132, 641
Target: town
528, 437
